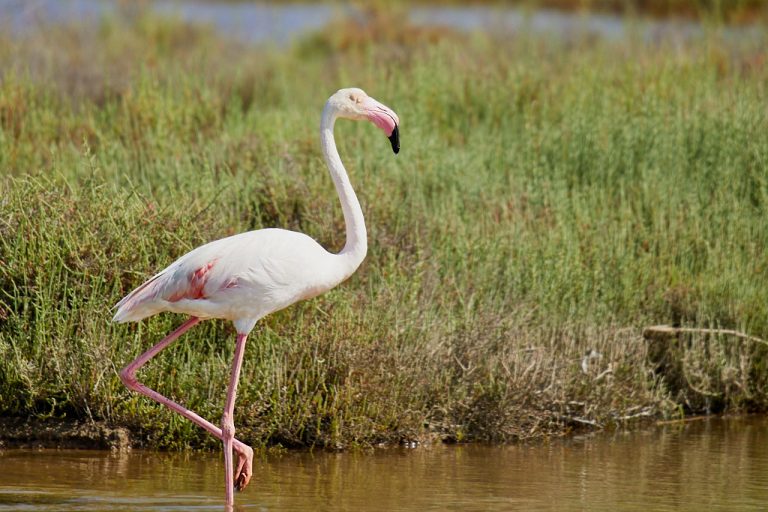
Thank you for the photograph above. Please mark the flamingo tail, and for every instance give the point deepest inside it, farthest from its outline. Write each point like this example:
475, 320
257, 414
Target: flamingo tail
140, 302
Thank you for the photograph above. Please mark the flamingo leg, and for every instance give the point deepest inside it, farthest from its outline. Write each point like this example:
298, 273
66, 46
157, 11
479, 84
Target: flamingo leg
128, 376
227, 421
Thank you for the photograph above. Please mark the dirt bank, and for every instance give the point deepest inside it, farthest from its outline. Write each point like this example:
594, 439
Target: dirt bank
56, 433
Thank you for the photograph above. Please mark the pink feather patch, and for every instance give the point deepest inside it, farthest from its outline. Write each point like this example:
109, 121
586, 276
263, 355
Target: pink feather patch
196, 285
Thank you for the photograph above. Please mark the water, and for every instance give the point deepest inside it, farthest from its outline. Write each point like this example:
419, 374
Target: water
258, 23
699, 465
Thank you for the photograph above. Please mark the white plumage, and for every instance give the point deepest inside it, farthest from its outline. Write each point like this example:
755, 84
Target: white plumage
240, 278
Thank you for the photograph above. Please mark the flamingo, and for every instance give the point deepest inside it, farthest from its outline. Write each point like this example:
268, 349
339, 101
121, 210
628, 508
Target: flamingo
245, 277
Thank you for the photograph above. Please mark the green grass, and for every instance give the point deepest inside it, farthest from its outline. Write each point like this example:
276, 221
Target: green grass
550, 198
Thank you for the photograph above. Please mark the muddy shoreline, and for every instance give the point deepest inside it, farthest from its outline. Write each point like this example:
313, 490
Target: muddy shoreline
62, 433
49, 433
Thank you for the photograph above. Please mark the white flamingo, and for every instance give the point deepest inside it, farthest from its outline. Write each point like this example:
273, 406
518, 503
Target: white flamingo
244, 277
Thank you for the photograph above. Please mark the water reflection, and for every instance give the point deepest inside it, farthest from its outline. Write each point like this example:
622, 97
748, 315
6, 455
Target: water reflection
701, 465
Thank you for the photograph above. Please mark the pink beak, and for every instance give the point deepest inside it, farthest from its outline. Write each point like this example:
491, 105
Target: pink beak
386, 119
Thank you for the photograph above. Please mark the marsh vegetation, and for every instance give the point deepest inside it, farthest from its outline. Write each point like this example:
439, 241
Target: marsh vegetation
553, 197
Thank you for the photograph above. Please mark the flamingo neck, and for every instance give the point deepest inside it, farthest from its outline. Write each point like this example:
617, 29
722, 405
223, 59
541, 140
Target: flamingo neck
356, 245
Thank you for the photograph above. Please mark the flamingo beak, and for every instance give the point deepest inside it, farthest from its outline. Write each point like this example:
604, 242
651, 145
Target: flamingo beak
386, 119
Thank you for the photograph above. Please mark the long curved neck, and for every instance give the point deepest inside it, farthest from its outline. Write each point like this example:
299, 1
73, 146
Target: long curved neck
356, 245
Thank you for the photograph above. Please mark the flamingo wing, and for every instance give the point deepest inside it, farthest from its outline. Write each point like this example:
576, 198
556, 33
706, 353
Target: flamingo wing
183, 279
242, 276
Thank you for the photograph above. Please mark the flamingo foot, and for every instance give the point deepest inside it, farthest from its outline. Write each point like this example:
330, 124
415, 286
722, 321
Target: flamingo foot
244, 470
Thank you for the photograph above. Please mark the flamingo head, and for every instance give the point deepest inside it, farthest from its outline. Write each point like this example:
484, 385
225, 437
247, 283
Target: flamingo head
355, 104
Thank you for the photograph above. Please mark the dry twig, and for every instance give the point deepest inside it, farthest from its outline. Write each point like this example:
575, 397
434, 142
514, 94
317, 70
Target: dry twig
667, 331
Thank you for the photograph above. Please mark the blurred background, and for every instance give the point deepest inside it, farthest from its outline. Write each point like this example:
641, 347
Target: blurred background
284, 22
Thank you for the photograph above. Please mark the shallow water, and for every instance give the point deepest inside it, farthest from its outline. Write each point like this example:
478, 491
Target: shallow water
716, 464
256, 22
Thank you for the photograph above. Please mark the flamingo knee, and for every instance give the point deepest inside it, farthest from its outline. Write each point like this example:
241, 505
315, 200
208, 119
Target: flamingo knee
227, 427
128, 376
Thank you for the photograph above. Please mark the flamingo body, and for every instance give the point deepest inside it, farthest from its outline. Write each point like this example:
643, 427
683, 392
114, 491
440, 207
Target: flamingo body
239, 278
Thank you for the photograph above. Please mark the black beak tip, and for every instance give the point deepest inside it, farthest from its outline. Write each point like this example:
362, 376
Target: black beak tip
394, 139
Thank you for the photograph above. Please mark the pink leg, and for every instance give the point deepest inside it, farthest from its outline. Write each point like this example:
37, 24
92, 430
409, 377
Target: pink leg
227, 421
128, 376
